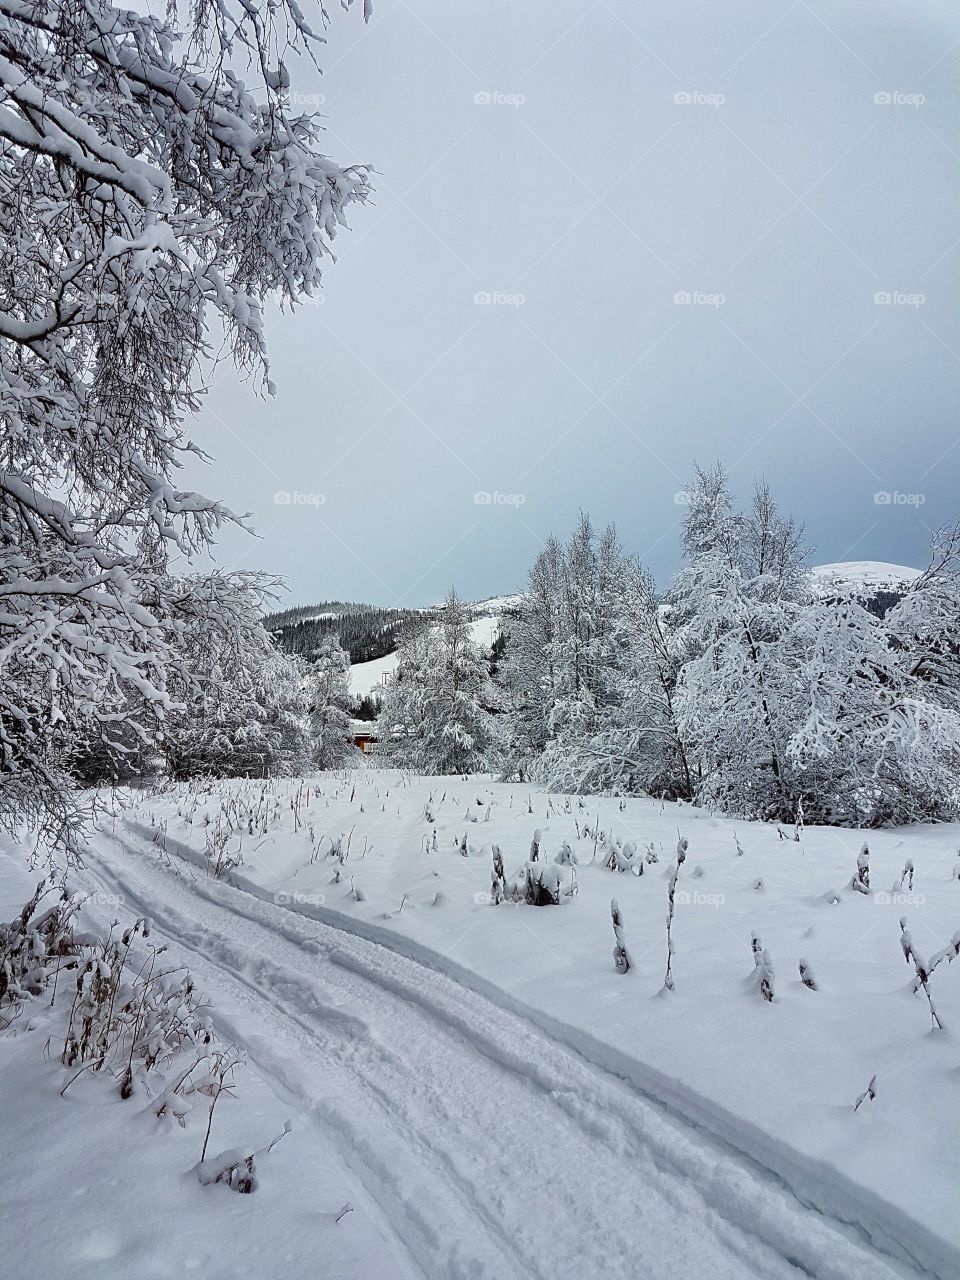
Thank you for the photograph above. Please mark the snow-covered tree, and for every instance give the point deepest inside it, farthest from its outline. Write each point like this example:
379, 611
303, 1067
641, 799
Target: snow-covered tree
637, 745
239, 705
527, 676
150, 200
870, 746
329, 702
435, 716
559, 677
734, 610
400, 722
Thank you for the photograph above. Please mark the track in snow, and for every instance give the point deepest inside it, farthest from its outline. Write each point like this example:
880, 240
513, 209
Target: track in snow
492, 1151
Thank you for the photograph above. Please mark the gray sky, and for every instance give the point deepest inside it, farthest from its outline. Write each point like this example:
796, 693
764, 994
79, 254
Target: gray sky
584, 166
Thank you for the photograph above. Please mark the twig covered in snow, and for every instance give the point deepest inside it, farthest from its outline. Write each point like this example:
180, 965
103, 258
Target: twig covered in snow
671, 907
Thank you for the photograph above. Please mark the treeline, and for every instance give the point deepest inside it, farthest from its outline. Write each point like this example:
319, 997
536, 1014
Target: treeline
234, 704
738, 687
364, 631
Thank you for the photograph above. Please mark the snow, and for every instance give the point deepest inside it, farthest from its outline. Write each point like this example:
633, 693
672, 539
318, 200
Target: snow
94, 1188
775, 1082
863, 576
368, 677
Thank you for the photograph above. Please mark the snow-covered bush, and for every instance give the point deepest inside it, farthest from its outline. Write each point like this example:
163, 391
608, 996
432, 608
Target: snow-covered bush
861, 877
236, 1168
566, 857
622, 856
126, 1017
621, 956
129, 1018
36, 945
762, 969
923, 971
498, 879
539, 884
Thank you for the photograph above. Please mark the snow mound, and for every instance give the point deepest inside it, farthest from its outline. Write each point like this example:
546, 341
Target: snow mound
862, 577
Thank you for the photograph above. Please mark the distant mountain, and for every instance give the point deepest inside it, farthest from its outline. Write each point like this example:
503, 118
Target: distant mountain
872, 583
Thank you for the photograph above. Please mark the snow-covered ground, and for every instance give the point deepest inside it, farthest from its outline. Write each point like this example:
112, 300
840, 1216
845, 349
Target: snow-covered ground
95, 1188
480, 1084
500, 1064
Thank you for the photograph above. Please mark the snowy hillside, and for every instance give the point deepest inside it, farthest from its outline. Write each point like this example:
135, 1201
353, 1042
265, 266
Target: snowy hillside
862, 577
367, 677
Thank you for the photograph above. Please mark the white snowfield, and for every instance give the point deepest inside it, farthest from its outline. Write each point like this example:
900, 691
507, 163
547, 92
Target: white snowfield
493, 1149
863, 576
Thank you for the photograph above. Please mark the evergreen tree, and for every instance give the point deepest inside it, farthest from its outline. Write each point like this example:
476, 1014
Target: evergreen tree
435, 717
329, 692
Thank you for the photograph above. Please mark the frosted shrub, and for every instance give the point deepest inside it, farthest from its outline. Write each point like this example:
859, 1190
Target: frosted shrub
540, 884
621, 956
216, 840
861, 879
623, 857
130, 1018
237, 1167
566, 857
921, 980
762, 969
924, 971
543, 885
36, 945
806, 976
497, 878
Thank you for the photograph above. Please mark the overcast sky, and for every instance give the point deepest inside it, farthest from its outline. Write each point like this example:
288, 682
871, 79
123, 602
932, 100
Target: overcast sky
585, 167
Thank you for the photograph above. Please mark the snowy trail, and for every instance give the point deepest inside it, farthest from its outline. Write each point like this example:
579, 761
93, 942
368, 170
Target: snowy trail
492, 1151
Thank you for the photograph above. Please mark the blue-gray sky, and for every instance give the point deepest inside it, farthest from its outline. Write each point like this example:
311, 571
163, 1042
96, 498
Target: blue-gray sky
783, 163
